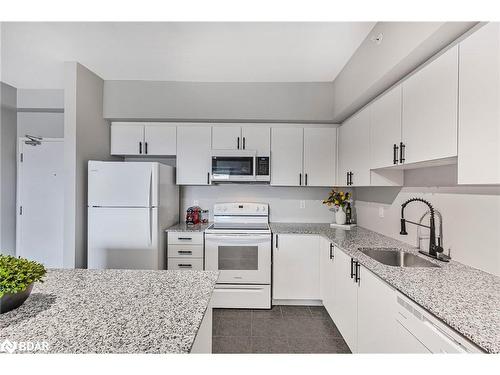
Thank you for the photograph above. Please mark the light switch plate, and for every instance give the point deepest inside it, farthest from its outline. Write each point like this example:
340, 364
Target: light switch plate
381, 211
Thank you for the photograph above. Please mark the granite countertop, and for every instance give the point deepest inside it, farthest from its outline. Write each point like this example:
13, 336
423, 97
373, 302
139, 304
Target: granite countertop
113, 311
463, 297
183, 227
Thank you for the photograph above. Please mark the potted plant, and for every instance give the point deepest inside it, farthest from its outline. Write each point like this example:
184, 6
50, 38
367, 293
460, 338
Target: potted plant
17, 276
336, 201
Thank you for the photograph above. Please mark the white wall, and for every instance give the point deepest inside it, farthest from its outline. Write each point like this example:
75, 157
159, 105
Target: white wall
471, 215
198, 101
284, 202
375, 67
7, 169
86, 137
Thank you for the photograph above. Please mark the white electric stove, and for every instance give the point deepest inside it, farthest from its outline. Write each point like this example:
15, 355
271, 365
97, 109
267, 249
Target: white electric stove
238, 244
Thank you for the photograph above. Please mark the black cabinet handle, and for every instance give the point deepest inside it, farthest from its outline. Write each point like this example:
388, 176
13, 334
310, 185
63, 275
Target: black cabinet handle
184, 252
238, 143
347, 178
208, 178
356, 277
185, 238
185, 266
300, 179
244, 141
306, 180
140, 147
146, 148
331, 251
276, 245
395, 154
402, 147
352, 268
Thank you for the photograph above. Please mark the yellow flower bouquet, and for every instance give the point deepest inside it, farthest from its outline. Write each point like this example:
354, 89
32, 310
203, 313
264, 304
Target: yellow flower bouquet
337, 199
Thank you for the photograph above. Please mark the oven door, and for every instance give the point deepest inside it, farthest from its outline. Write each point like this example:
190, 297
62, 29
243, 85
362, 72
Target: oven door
233, 168
240, 258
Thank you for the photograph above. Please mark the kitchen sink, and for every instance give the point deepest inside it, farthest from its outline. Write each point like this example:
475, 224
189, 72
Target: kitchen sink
397, 258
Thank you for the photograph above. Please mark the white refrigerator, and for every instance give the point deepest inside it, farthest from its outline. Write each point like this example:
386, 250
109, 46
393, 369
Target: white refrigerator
130, 204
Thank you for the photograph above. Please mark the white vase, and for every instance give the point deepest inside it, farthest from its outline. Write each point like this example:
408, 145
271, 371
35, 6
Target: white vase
340, 217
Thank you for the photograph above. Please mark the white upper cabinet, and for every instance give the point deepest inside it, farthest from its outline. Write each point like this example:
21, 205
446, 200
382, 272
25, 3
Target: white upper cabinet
295, 267
127, 138
479, 106
354, 150
257, 138
287, 156
385, 129
430, 99
320, 145
138, 138
160, 139
226, 138
193, 155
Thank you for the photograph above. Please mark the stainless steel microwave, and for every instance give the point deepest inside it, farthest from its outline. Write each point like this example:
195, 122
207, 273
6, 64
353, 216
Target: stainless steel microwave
239, 166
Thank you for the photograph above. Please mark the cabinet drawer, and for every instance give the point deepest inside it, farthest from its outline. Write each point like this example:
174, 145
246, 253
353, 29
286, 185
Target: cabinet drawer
185, 251
177, 238
195, 264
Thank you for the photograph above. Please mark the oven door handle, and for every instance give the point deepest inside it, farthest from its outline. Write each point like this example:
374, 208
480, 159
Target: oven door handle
239, 239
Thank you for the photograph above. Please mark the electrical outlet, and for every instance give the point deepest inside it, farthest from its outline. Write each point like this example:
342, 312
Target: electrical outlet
196, 203
302, 204
381, 211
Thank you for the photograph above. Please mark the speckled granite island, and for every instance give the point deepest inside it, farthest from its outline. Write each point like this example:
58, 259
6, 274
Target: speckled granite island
114, 311
463, 297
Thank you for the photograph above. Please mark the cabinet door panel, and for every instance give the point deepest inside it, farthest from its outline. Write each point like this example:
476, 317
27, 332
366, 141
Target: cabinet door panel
226, 137
320, 146
193, 155
385, 128
295, 267
430, 110
127, 138
161, 140
479, 106
346, 299
327, 276
257, 138
376, 315
286, 156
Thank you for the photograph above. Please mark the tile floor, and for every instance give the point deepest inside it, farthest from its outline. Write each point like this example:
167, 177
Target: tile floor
283, 329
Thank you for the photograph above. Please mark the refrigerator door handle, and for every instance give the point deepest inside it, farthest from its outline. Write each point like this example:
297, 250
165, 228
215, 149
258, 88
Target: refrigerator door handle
150, 226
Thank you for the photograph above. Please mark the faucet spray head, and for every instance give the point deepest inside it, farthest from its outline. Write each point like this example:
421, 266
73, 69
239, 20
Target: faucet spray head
403, 231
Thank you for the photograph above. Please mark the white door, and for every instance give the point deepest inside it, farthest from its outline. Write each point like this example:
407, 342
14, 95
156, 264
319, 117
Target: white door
430, 110
123, 238
160, 140
257, 138
295, 267
287, 146
320, 150
354, 149
479, 107
122, 184
346, 299
327, 275
385, 129
127, 138
193, 155
40, 202
377, 325
227, 137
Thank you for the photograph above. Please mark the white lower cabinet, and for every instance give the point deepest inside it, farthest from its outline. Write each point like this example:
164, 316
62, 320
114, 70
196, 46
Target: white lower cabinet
295, 267
327, 275
185, 251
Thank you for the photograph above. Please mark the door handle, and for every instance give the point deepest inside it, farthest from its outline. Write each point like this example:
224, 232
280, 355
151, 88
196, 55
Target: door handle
146, 148
276, 245
244, 141
331, 251
238, 143
300, 179
185, 266
356, 277
402, 147
347, 178
208, 178
350, 178
352, 268
395, 154
306, 180
185, 238
184, 252
140, 147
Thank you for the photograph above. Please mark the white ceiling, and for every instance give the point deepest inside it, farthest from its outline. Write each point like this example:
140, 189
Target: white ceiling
33, 53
